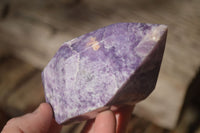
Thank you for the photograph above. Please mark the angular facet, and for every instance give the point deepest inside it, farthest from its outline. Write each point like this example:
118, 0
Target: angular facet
114, 65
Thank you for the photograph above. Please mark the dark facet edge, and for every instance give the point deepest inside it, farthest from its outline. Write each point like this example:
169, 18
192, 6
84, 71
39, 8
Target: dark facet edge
118, 99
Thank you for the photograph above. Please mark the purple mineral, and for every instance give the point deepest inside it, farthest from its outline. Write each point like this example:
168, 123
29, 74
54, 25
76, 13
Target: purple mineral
115, 65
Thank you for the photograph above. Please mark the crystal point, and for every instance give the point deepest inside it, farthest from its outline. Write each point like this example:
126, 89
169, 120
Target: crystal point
115, 65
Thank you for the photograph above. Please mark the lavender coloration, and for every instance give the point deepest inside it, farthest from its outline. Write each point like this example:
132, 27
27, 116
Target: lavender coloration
114, 65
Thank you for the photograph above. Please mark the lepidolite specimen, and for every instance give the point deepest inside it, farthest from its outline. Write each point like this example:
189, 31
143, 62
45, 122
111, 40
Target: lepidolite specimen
114, 65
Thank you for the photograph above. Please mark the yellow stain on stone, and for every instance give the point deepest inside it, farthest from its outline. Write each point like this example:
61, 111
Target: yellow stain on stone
94, 43
95, 47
